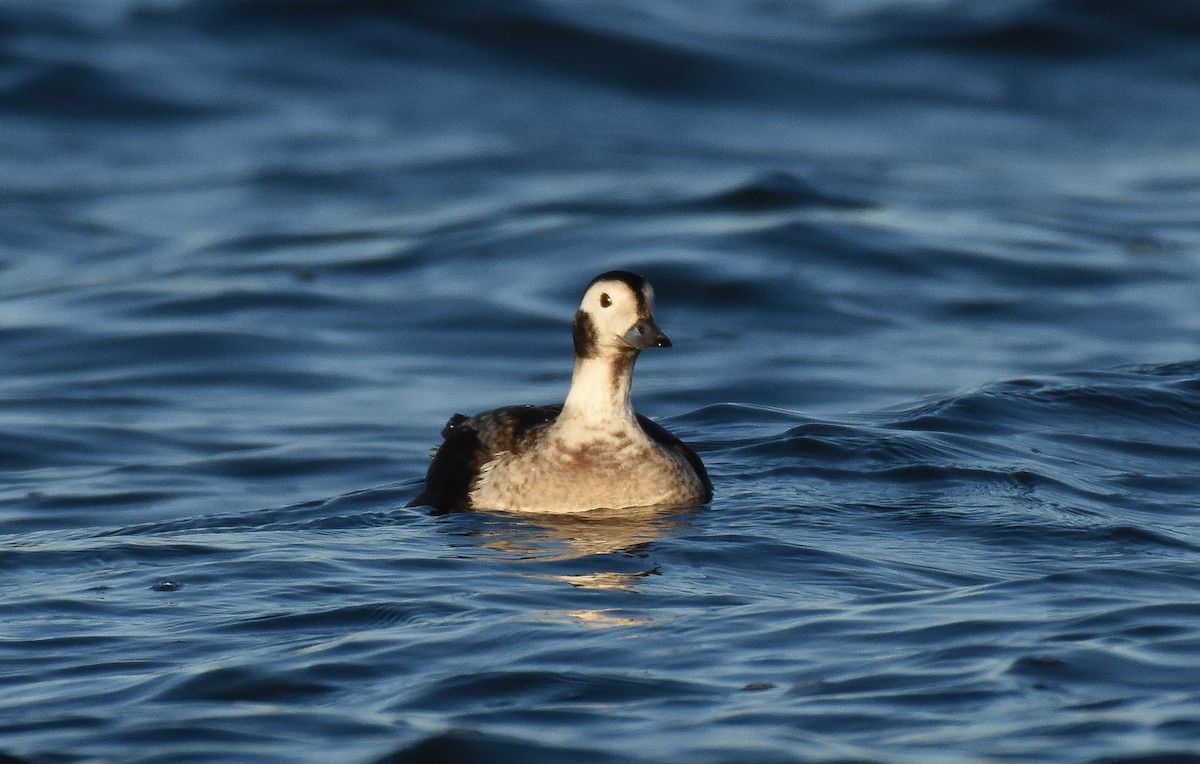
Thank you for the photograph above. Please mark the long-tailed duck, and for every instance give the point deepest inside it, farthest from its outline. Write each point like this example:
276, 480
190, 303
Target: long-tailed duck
590, 452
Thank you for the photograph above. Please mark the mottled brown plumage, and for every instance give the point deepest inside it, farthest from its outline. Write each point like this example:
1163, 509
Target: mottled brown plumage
590, 452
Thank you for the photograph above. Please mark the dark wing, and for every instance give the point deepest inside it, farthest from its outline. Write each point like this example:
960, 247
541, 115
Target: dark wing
470, 443
666, 439
454, 467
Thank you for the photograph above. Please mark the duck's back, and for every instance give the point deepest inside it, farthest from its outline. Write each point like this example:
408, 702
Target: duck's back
475, 445
667, 440
469, 443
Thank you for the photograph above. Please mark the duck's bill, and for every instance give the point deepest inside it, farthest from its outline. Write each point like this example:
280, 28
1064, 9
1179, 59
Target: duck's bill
646, 334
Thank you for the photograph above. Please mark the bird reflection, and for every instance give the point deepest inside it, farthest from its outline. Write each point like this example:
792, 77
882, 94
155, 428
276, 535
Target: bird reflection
587, 539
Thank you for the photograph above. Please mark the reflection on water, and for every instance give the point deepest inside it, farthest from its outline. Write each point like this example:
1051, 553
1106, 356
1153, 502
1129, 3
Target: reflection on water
603, 619
566, 537
590, 539
612, 580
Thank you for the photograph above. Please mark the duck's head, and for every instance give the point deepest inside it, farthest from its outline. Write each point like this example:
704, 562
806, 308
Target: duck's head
616, 317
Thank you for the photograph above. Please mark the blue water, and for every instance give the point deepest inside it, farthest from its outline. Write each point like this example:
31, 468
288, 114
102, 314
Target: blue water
932, 270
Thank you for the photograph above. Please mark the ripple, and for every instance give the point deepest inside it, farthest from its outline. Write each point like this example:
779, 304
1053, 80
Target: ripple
78, 91
245, 684
468, 745
357, 617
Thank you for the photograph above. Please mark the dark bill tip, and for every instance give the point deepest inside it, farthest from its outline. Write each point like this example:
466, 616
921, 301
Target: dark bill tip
646, 334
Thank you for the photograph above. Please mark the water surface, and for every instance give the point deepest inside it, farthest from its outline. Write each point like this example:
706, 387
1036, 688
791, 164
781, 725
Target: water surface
931, 272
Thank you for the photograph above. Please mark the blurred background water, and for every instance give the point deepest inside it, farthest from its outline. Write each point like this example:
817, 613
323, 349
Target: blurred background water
932, 270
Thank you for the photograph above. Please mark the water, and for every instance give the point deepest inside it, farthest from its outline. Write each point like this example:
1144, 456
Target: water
932, 274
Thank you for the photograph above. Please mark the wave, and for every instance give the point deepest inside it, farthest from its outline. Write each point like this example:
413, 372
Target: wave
83, 91
531, 36
1109, 453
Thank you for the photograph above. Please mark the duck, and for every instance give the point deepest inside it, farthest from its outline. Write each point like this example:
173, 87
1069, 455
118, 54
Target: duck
592, 451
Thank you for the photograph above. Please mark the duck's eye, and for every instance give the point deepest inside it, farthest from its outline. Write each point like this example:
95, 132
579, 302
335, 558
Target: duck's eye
605, 300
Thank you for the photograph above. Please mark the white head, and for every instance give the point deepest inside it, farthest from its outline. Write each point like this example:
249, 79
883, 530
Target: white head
616, 317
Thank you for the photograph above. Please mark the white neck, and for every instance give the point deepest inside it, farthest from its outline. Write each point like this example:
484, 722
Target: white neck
599, 395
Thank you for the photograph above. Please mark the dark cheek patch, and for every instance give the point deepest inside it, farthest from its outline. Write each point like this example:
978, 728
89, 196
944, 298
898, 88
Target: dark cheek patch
583, 332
